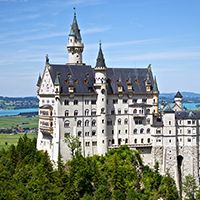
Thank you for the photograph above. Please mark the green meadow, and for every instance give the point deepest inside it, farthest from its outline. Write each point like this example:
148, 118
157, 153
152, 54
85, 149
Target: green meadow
12, 122
18, 121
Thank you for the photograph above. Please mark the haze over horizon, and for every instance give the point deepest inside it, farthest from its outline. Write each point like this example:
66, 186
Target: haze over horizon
133, 34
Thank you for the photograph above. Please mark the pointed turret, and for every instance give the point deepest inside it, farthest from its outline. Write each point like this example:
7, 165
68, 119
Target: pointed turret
100, 63
155, 86
75, 46
178, 95
39, 81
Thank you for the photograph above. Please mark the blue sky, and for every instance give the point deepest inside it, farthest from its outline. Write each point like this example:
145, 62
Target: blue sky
134, 33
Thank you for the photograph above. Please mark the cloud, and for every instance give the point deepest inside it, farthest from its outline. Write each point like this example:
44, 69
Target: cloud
94, 30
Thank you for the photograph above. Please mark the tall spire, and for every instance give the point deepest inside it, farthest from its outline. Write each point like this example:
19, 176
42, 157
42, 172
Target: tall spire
75, 31
75, 46
100, 63
155, 86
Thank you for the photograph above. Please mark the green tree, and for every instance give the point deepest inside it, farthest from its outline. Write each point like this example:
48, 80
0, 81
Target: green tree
189, 187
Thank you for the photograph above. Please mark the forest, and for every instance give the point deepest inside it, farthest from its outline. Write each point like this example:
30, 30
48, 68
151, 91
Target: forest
26, 173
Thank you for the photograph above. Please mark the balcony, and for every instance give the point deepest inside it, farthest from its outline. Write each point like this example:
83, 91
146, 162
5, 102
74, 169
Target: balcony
131, 145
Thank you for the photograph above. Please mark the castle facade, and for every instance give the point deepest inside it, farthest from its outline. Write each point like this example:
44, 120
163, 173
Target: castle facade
107, 107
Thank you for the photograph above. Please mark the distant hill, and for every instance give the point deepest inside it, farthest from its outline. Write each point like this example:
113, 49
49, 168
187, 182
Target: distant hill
18, 102
188, 97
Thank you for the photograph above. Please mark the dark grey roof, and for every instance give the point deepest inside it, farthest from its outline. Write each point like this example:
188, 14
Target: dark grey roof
100, 59
39, 81
178, 95
188, 114
82, 77
168, 109
155, 86
47, 106
75, 31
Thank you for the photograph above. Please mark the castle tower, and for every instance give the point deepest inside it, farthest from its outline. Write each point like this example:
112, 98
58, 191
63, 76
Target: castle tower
75, 46
178, 101
101, 90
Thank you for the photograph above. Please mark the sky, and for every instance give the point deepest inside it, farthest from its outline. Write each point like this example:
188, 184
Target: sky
134, 33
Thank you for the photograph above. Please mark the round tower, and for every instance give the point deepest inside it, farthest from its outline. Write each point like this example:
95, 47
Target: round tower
75, 46
101, 90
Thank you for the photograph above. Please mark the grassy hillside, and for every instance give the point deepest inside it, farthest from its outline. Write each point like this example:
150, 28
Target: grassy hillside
8, 139
18, 121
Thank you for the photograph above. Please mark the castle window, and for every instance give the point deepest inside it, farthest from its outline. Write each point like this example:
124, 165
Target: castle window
193, 122
79, 122
75, 112
126, 131
134, 100
126, 121
125, 100
115, 101
93, 122
169, 122
126, 140
142, 140
144, 100
119, 141
189, 131
119, 121
103, 121
189, 139
102, 131
170, 131
93, 133
119, 111
148, 121
119, 131
87, 144
170, 141
158, 131
66, 123
189, 122
93, 102
66, 113
103, 91
141, 131
87, 134
86, 112
102, 110
148, 140
93, 113
135, 141
113, 141
94, 143
87, 102
125, 111
75, 102
79, 134
87, 123
135, 111
112, 112
148, 130
135, 131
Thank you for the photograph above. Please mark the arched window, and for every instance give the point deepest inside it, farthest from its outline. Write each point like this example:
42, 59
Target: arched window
148, 140
141, 130
93, 112
93, 122
148, 130
135, 131
79, 133
87, 123
66, 113
126, 140
135, 111
86, 112
135, 141
119, 111
75, 112
119, 121
79, 123
126, 121
66, 123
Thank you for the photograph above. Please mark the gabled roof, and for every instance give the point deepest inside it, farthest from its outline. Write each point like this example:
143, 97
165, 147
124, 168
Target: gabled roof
178, 95
82, 78
39, 81
168, 108
155, 86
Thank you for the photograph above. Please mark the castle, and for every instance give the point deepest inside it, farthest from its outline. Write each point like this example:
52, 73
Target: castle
107, 107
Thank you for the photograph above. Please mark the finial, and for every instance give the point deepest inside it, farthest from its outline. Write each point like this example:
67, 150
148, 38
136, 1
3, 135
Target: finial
74, 11
99, 43
47, 58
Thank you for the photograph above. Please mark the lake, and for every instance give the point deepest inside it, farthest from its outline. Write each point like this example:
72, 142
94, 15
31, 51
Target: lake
17, 111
